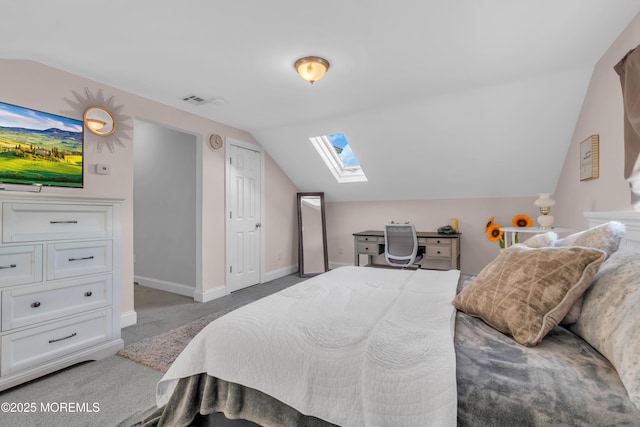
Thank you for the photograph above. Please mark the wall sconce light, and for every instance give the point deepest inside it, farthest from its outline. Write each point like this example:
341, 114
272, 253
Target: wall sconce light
544, 202
95, 124
311, 68
99, 121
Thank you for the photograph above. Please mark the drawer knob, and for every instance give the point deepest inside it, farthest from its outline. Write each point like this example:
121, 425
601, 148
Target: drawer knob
63, 222
8, 266
438, 252
35, 304
88, 294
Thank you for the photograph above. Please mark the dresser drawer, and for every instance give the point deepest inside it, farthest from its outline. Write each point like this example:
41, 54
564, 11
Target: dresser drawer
437, 241
439, 251
369, 248
370, 239
78, 258
20, 265
31, 347
34, 304
25, 222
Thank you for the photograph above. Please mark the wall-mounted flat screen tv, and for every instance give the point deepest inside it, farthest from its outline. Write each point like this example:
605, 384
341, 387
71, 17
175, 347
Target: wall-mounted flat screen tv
38, 148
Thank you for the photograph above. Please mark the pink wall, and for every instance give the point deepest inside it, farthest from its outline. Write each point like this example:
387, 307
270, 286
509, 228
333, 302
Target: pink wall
346, 218
602, 113
34, 85
281, 230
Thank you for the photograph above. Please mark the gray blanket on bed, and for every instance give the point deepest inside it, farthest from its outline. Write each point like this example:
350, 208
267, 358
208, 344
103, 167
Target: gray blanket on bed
203, 395
561, 382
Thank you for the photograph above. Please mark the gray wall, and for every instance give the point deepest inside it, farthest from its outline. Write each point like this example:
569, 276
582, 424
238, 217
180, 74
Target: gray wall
164, 213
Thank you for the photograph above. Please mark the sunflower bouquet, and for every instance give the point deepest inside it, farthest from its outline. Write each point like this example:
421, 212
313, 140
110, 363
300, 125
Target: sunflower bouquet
495, 233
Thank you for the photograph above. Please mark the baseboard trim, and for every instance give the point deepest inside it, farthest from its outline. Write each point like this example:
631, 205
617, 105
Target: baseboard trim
276, 274
210, 294
129, 318
176, 288
197, 295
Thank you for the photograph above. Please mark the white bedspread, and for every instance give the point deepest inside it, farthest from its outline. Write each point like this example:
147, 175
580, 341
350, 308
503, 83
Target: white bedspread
355, 346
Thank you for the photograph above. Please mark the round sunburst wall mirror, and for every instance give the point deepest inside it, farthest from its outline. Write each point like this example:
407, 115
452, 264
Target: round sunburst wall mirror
106, 125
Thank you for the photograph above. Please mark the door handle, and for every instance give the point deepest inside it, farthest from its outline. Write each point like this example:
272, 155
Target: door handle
258, 225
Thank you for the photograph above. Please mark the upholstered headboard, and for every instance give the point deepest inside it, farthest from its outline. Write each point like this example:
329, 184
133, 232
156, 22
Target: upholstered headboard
630, 219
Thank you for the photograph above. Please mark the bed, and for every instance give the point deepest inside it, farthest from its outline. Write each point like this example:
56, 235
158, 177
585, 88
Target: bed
575, 367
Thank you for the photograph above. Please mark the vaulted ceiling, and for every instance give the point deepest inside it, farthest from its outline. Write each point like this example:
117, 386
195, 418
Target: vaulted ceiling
439, 99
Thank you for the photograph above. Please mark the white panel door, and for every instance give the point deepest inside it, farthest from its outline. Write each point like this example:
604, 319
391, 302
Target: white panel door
244, 218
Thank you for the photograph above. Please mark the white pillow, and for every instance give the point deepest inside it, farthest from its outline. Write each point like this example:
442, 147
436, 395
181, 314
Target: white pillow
541, 240
605, 236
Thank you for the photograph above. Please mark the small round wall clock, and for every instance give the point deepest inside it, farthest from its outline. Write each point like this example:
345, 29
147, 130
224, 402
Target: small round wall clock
215, 142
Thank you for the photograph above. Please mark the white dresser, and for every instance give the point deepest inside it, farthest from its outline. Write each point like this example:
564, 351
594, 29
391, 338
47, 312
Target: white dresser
60, 270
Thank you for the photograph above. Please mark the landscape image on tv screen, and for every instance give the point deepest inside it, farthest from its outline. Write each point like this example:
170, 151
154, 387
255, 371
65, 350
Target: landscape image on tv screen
39, 148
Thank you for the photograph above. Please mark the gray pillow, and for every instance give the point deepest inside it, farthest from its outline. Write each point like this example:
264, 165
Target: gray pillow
610, 318
606, 237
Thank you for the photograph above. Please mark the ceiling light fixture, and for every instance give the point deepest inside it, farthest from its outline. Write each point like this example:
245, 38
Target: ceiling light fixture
311, 68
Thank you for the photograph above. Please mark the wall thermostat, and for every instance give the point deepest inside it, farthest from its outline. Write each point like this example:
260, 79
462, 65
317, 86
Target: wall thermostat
102, 169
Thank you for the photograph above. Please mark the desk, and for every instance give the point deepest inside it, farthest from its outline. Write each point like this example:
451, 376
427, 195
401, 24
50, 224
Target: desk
510, 232
443, 249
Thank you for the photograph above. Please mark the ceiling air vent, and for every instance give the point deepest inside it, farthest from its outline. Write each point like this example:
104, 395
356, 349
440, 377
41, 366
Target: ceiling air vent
195, 99
199, 100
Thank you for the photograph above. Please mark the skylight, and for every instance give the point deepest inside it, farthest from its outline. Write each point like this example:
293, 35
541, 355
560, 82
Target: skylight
339, 158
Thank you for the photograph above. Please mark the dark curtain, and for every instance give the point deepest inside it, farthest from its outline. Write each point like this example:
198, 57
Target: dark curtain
629, 71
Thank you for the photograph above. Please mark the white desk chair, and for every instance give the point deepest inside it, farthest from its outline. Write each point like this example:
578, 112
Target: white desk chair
401, 245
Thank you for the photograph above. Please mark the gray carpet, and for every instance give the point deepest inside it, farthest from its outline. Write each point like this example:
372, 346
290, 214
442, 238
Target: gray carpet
160, 351
118, 391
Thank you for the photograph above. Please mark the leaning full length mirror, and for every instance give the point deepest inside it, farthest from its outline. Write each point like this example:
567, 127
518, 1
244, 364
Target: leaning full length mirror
100, 121
312, 235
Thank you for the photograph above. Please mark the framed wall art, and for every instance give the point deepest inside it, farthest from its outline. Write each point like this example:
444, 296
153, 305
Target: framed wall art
589, 158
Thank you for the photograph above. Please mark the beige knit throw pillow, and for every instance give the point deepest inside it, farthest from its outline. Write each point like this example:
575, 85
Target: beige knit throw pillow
525, 292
